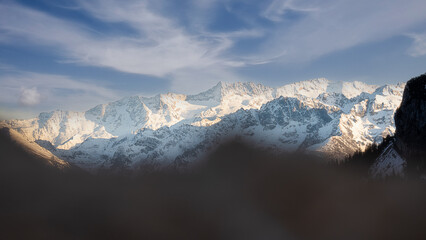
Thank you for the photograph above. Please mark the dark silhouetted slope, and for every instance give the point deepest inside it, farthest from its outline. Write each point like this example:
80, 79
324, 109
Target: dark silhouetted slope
410, 122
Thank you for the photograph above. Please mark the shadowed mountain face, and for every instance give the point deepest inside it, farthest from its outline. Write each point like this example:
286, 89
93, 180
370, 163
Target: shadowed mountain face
410, 120
237, 192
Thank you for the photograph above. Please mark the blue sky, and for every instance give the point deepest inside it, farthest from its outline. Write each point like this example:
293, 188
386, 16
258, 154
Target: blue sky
74, 54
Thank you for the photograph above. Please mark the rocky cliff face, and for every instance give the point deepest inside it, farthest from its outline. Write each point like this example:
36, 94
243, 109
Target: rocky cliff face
407, 151
410, 121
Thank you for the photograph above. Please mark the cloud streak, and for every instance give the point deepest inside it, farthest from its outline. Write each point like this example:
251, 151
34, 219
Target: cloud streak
51, 91
176, 47
278, 8
418, 48
160, 47
337, 25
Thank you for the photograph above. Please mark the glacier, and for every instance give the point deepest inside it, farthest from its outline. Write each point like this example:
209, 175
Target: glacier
327, 117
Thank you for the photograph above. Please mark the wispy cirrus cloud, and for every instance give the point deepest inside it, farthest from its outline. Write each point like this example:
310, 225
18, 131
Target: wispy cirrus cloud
418, 48
160, 46
328, 26
278, 8
209, 40
51, 91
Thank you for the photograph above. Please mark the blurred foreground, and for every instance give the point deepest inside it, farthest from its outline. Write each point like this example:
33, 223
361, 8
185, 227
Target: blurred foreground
238, 192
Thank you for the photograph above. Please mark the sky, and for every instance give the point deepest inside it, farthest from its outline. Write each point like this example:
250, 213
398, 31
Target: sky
75, 54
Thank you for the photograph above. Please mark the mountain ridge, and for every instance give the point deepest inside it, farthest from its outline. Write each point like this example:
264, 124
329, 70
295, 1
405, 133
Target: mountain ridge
37, 152
353, 107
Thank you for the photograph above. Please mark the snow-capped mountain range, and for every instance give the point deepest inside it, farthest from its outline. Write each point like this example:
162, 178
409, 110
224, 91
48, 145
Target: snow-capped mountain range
335, 118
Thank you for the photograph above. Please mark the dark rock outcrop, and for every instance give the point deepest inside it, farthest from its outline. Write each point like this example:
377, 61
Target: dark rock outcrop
406, 151
410, 122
